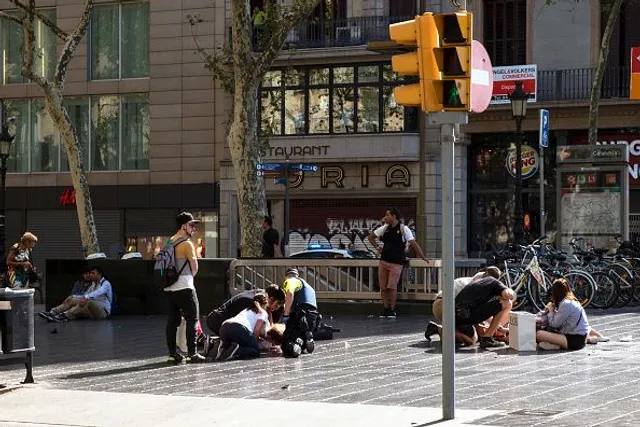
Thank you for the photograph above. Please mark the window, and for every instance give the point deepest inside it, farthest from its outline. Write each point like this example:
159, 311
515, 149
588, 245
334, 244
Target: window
113, 132
12, 48
505, 31
119, 37
342, 99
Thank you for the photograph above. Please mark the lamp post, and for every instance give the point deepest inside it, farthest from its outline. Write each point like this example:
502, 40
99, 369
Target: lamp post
5, 146
518, 100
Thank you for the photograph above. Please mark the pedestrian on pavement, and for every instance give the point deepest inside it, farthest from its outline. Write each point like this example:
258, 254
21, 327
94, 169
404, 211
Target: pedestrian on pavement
20, 270
394, 237
270, 239
182, 296
300, 315
239, 336
81, 287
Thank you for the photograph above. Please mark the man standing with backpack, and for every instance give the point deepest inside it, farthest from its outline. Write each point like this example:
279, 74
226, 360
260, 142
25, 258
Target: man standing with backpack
180, 289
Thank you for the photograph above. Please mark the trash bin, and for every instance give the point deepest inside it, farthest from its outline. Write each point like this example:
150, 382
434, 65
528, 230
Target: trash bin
17, 324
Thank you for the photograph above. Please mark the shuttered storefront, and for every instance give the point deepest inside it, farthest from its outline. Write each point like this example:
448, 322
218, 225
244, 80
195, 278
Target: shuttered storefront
342, 220
110, 232
14, 227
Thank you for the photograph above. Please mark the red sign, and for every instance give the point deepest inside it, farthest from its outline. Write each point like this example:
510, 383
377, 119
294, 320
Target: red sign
631, 140
634, 91
505, 78
635, 59
481, 78
68, 198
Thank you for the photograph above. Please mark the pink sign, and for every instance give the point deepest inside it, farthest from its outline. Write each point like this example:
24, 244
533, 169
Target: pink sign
481, 78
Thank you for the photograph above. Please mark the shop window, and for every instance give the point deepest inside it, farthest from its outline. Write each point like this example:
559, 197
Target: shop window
45, 140
13, 46
105, 118
353, 99
18, 160
119, 41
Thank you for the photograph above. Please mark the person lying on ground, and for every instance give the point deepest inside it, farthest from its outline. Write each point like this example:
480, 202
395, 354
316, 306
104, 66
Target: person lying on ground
568, 325
78, 290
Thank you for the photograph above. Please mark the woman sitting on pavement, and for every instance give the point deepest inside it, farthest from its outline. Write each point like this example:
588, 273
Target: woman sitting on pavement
566, 316
239, 335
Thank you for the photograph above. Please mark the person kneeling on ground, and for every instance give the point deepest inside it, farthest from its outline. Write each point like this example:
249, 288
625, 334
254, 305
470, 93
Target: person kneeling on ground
300, 315
94, 305
566, 316
239, 335
80, 288
466, 333
244, 300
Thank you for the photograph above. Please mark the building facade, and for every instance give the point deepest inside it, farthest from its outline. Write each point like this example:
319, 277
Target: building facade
146, 114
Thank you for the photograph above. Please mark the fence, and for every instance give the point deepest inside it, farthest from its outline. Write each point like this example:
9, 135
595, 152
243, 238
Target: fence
340, 279
575, 84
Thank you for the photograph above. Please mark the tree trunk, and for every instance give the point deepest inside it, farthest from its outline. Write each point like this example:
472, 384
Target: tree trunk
69, 139
245, 154
600, 69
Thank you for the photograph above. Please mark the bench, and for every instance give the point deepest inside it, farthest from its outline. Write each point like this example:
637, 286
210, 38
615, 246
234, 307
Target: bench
17, 356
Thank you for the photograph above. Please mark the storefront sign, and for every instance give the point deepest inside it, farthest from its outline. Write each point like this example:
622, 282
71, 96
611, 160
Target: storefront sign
68, 197
299, 151
632, 141
530, 162
505, 78
334, 175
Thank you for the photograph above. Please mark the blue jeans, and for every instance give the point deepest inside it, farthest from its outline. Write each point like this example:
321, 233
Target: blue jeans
232, 332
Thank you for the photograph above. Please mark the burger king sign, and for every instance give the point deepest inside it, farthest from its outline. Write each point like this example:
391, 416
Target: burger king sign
529, 162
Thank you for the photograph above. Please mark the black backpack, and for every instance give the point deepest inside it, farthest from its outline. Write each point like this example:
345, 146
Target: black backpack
165, 272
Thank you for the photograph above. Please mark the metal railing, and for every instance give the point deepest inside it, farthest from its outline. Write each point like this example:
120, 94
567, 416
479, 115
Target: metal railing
575, 84
339, 279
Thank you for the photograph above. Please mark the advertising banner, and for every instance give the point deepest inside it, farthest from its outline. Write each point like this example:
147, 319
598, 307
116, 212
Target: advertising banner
505, 78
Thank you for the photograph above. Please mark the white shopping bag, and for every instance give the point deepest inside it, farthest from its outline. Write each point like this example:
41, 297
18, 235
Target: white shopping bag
522, 331
181, 336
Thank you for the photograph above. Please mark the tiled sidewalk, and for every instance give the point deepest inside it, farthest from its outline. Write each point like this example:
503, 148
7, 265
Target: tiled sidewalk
373, 361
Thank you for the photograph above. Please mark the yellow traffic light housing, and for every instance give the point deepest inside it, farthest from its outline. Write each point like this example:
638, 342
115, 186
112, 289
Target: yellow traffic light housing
421, 33
453, 57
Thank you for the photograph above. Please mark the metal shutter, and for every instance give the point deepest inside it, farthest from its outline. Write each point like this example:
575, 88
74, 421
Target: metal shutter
109, 228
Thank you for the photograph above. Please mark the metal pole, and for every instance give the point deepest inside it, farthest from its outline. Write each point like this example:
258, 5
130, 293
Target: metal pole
4, 133
543, 214
421, 228
448, 122
518, 230
285, 249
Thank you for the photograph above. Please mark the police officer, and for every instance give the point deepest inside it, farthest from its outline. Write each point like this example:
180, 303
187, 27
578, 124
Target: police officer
300, 315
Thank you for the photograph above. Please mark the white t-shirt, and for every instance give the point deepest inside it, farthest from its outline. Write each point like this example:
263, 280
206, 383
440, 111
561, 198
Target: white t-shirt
458, 284
406, 231
248, 318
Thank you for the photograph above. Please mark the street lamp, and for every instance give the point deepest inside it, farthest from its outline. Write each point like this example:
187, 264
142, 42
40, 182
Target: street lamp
518, 100
5, 146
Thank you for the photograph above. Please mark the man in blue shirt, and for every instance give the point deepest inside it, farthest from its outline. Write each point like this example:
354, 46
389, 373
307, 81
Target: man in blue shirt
95, 304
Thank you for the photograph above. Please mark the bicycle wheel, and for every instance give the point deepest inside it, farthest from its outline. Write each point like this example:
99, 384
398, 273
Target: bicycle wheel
538, 293
625, 280
582, 285
520, 300
606, 290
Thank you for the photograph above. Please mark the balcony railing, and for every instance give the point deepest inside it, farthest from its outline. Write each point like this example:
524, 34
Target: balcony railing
575, 84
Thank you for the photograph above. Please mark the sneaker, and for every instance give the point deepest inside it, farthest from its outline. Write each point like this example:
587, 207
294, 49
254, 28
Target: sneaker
309, 344
195, 358
548, 346
385, 313
432, 329
490, 342
228, 352
62, 317
46, 315
391, 314
175, 359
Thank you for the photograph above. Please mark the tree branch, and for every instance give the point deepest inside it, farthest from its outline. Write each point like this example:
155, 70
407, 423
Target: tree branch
300, 10
70, 46
11, 18
56, 30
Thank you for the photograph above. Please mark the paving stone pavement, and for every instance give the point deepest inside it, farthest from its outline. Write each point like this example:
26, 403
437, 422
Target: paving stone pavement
373, 361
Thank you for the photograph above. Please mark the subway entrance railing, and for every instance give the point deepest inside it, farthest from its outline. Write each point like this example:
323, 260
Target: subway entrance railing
346, 279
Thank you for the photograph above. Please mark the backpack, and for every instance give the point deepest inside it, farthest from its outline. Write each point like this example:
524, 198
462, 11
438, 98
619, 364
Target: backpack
165, 272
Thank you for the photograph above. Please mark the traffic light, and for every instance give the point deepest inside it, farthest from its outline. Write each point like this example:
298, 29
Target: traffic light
420, 33
453, 57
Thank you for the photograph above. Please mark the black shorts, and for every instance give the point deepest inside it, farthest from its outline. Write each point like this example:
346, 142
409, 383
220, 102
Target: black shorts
467, 330
482, 312
576, 342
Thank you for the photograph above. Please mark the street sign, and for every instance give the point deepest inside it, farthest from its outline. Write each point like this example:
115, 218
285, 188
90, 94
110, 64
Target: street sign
505, 78
634, 92
544, 128
481, 78
277, 174
270, 166
304, 167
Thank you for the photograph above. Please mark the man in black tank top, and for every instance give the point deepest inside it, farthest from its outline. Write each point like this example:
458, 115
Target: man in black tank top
394, 236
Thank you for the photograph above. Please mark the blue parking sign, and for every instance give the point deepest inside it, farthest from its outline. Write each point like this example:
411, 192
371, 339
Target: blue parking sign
544, 128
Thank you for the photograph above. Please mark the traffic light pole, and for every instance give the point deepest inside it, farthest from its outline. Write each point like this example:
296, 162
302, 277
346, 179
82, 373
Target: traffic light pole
449, 125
